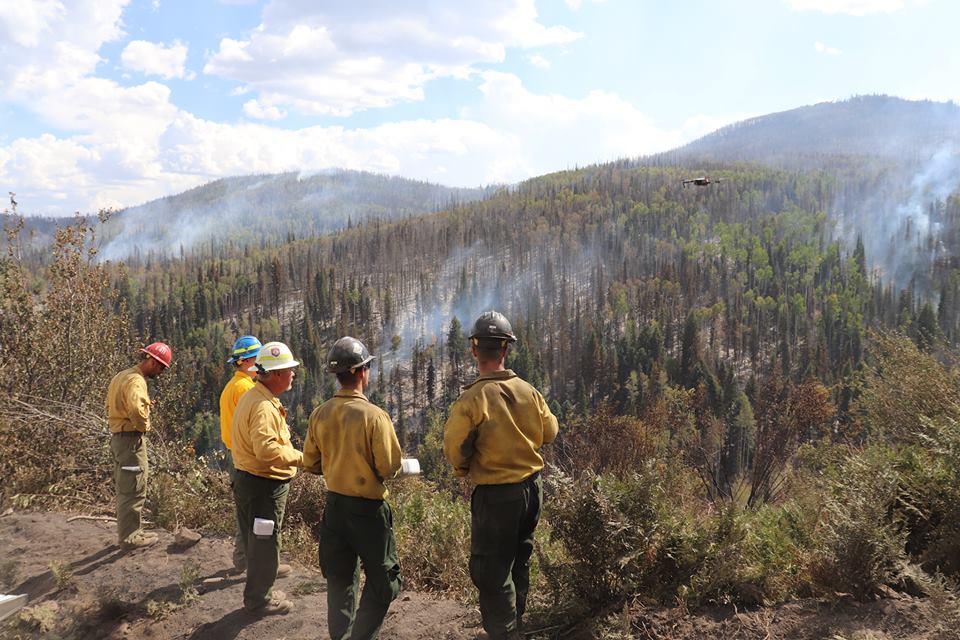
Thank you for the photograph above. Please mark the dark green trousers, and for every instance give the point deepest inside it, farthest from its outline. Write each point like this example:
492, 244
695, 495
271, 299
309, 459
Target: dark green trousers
129, 450
504, 518
257, 497
355, 532
239, 553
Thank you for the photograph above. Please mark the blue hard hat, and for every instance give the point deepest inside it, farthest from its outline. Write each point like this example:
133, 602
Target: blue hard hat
245, 347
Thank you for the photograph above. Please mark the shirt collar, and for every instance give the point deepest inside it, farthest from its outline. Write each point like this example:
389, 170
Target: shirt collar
260, 387
498, 375
350, 393
506, 374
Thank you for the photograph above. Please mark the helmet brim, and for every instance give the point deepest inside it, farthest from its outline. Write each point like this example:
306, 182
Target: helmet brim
285, 365
341, 369
166, 365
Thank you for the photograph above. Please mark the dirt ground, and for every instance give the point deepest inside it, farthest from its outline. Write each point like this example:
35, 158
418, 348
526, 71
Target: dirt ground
82, 586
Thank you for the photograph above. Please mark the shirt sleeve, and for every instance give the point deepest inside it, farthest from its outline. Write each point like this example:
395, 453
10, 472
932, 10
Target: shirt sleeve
550, 425
459, 436
138, 403
266, 443
226, 419
385, 448
312, 456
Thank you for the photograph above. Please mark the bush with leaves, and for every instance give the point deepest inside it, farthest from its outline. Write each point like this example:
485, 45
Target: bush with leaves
929, 503
902, 388
755, 556
62, 339
621, 536
860, 548
433, 536
604, 442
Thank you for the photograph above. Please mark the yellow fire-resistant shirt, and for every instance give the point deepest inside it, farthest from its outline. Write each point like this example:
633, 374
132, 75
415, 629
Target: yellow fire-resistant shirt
239, 384
261, 438
351, 441
496, 428
128, 404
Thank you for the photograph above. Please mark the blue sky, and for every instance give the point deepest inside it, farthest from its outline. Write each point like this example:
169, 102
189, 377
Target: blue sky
110, 103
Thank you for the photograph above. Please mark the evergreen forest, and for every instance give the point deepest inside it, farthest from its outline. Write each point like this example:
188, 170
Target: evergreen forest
755, 379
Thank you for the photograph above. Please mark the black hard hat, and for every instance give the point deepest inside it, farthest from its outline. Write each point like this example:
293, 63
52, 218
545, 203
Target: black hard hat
347, 354
493, 324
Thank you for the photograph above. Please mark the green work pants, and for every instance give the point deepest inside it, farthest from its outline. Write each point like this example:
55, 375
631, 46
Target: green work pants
129, 450
257, 497
239, 554
503, 520
358, 531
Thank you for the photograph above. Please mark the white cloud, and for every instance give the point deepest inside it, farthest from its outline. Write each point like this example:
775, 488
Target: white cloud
576, 4
539, 61
348, 57
851, 7
513, 135
45, 43
154, 58
254, 109
819, 47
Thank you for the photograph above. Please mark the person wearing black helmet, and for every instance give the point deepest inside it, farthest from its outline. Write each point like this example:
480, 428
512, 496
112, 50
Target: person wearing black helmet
493, 435
352, 443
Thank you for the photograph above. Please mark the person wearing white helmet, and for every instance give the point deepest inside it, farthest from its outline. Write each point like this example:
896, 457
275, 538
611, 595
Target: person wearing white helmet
265, 462
128, 416
243, 356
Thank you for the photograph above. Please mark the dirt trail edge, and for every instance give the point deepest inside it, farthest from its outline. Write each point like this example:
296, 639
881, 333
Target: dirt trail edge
81, 585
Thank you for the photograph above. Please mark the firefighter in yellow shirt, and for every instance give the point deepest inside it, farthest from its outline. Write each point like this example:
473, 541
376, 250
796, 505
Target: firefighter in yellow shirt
265, 462
494, 434
353, 444
128, 416
242, 357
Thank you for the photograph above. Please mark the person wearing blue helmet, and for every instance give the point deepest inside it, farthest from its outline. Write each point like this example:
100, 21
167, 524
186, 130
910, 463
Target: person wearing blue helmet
242, 357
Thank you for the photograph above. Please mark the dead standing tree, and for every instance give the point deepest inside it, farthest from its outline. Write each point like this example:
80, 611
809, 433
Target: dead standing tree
787, 415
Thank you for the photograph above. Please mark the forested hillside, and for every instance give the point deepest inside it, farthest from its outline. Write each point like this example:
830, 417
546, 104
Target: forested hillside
260, 209
626, 289
257, 210
867, 126
755, 378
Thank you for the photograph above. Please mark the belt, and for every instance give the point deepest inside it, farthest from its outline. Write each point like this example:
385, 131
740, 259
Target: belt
241, 472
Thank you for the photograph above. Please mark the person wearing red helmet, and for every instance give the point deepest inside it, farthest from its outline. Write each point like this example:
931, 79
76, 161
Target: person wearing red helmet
128, 416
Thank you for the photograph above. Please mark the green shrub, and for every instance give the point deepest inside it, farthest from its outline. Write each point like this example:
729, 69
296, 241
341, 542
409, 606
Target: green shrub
433, 537
619, 536
62, 574
42, 617
929, 504
860, 548
754, 556
184, 490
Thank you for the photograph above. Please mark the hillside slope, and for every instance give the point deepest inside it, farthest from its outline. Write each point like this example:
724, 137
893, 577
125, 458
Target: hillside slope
876, 126
266, 208
166, 592
90, 590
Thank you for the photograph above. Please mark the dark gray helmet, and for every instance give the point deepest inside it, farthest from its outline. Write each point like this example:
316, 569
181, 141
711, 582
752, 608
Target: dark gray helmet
493, 324
347, 354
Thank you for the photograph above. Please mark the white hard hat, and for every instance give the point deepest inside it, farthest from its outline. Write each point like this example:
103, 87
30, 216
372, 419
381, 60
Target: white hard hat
274, 355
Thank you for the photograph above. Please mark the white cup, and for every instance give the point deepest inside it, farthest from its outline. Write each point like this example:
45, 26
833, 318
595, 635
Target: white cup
409, 466
263, 527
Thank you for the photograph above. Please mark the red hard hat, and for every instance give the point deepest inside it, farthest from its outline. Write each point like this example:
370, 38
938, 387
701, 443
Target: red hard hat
159, 351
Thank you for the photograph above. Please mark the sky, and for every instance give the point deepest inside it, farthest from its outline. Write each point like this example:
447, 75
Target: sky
112, 103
